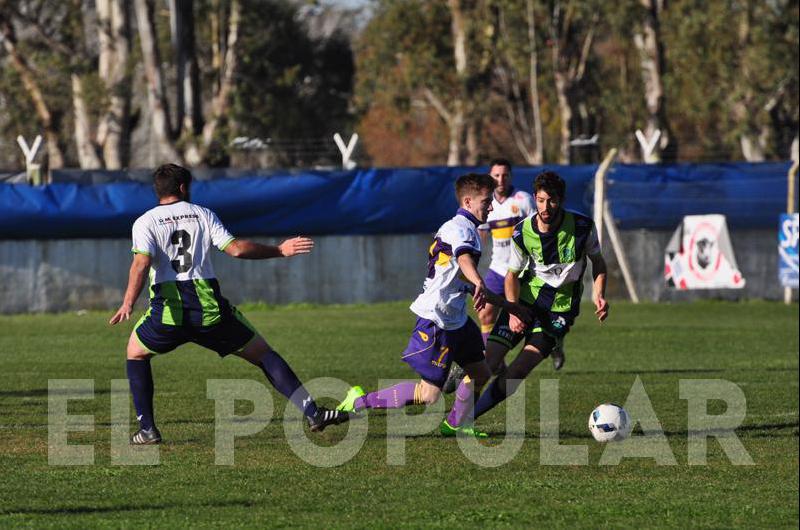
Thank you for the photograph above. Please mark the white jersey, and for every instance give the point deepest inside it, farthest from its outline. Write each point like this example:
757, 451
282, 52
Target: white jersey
443, 299
178, 237
501, 221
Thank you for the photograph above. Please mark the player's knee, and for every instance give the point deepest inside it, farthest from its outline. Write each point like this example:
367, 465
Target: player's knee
429, 395
542, 343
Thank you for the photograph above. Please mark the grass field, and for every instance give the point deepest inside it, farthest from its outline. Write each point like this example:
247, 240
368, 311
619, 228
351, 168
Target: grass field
754, 345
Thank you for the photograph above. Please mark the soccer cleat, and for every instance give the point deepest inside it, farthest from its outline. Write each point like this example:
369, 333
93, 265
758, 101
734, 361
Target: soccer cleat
325, 417
453, 379
448, 430
348, 404
557, 353
146, 437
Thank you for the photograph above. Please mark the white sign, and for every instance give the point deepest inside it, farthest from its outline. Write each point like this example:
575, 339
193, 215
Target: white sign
700, 255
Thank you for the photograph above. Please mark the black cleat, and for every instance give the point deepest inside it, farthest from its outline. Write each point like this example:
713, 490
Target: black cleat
453, 379
146, 437
325, 417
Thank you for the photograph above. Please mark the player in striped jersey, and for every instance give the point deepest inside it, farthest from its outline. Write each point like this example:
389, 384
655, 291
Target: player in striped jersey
552, 248
172, 242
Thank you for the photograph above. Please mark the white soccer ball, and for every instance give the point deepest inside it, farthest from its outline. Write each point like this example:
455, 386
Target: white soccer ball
609, 422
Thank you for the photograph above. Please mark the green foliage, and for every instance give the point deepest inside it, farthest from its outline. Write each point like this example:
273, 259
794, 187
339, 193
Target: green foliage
290, 85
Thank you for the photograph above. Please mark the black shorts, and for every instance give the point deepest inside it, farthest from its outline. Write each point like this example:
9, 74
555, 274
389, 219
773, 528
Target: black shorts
231, 335
551, 323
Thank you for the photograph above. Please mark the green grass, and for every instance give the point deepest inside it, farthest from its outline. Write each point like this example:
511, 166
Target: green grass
754, 345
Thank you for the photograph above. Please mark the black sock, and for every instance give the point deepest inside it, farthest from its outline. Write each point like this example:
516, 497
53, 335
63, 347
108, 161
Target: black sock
140, 378
286, 382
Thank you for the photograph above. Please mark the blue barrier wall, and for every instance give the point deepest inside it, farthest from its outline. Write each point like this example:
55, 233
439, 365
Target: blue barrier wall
394, 201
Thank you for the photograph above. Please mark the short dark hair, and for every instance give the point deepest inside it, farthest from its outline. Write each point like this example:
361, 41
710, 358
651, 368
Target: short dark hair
167, 180
500, 162
473, 183
550, 182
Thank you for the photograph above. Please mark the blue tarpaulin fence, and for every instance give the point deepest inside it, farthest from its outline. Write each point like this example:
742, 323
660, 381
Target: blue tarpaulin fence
394, 201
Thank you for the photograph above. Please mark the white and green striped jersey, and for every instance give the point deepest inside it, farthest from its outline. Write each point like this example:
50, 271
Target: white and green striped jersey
183, 287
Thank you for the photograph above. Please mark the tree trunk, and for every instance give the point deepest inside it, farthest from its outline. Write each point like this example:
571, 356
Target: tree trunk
156, 97
569, 57
55, 156
87, 155
651, 58
462, 119
566, 112
538, 153
113, 130
187, 79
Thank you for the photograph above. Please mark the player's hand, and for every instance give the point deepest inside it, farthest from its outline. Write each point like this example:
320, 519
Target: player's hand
602, 308
516, 324
296, 245
123, 313
521, 312
479, 297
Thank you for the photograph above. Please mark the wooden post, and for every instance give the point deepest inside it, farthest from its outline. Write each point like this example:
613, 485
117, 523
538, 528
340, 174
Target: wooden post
791, 193
600, 191
619, 252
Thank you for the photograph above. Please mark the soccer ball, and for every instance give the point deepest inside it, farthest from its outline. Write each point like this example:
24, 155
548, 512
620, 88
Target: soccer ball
609, 422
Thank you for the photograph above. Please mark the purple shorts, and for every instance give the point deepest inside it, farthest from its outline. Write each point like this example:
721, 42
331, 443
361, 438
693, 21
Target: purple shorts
432, 349
495, 283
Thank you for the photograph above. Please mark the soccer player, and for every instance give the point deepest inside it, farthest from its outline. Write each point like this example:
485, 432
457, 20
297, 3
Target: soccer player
172, 242
509, 207
444, 333
552, 247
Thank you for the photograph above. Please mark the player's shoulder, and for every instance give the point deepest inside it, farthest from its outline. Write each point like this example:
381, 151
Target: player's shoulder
521, 195
581, 220
458, 228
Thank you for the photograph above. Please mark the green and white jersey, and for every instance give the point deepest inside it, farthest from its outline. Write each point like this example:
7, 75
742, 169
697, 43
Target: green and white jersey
183, 287
555, 260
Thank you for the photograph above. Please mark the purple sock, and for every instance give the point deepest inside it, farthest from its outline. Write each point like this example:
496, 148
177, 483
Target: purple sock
394, 397
461, 413
140, 379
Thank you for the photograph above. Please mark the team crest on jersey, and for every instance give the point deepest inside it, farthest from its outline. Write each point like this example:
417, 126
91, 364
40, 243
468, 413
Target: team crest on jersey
514, 209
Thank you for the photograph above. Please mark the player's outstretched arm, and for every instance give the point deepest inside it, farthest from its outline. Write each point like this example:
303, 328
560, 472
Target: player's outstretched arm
599, 274
482, 295
245, 249
136, 279
517, 320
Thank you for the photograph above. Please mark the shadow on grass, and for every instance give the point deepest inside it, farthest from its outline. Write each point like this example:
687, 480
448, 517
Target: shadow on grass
43, 392
80, 510
681, 371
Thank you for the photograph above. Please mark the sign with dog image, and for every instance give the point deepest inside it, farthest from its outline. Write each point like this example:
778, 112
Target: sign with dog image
700, 255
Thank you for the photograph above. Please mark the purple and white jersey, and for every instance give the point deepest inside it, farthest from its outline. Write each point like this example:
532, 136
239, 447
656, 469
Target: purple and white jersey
501, 221
443, 299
